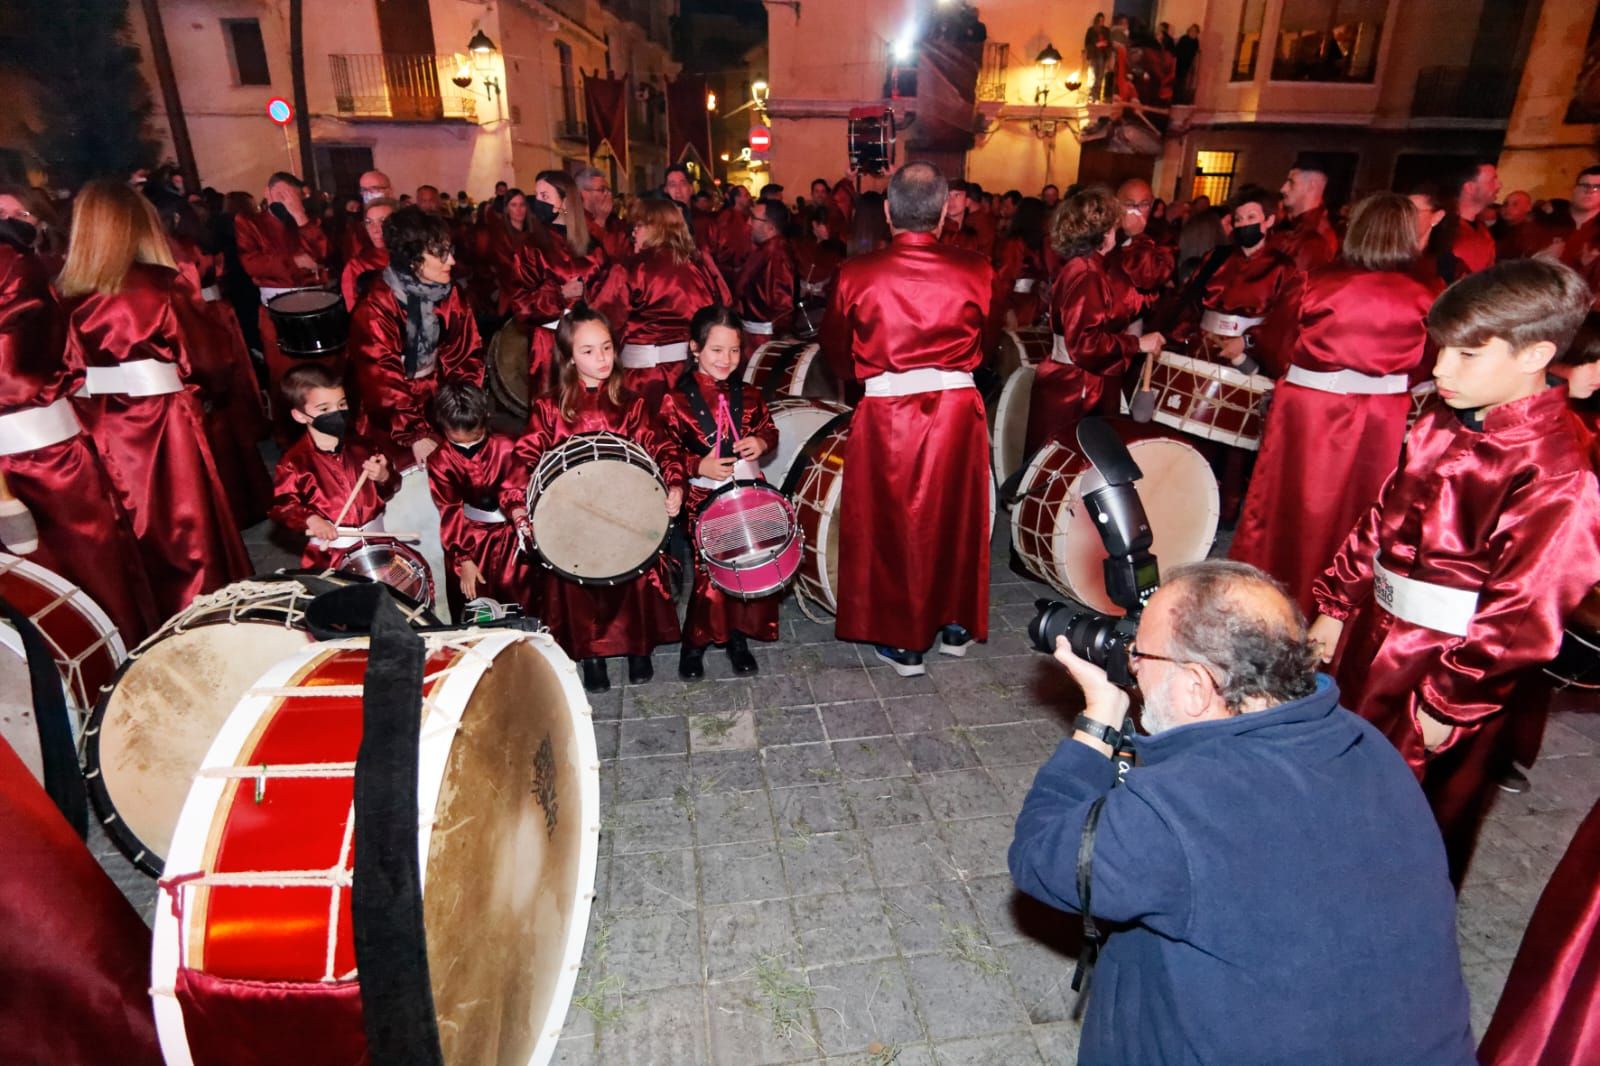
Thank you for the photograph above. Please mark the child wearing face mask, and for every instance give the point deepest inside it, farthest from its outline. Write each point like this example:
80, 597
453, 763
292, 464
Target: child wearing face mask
316, 474
465, 476
724, 428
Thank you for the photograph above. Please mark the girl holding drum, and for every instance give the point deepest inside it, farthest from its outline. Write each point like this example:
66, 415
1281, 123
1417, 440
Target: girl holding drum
594, 621
723, 427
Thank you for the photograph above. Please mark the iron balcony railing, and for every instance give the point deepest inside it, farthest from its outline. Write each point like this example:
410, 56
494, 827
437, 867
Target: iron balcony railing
404, 88
570, 129
992, 72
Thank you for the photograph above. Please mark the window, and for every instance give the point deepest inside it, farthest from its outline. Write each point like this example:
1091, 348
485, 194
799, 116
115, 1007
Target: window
247, 51
569, 93
1213, 175
1328, 40
1251, 17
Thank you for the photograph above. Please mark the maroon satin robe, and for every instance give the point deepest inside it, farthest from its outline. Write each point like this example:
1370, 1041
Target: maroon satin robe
1086, 314
764, 291
970, 236
361, 272
394, 408
311, 483
597, 621
1250, 286
817, 265
1140, 269
1308, 238
1511, 510
503, 252
1549, 1012
458, 480
731, 241
714, 616
154, 447
77, 955
914, 543
1014, 262
1474, 243
267, 250
649, 298
540, 270
1325, 456
614, 235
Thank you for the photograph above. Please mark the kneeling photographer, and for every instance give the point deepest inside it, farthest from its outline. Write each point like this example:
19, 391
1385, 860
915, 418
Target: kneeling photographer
1270, 877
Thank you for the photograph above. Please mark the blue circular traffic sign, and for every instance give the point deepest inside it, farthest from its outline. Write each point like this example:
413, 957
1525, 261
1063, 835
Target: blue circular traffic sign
279, 111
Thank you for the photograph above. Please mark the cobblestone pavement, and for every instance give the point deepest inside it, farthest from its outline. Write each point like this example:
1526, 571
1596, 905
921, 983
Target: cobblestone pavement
810, 865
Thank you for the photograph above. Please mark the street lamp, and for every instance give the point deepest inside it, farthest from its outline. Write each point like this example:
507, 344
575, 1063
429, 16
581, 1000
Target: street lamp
481, 48
1048, 58
711, 101
481, 45
759, 94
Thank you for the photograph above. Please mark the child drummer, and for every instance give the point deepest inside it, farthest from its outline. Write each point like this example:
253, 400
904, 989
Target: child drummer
592, 622
724, 427
480, 546
315, 487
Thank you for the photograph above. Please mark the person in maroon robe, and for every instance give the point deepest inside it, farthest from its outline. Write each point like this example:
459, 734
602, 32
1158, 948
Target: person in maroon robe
48, 462
465, 476
507, 237
1141, 266
1306, 234
592, 622
1092, 343
282, 248
1455, 583
561, 265
729, 236
817, 256
1337, 419
723, 427
1575, 233
764, 290
650, 297
960, 227
1547, 1012
131, 325
907, 323
365, 268
1475, 188
1021, 276
599, 209
410, 334
315, 487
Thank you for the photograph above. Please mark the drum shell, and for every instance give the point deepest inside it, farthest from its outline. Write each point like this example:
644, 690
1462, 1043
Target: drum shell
577, 554
310, 334
772, 568
816, 484
508, 362
799, 421
786, 367
87, 648
365, 562
1210, 400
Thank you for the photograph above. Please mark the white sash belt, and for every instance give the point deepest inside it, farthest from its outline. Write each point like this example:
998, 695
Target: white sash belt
922, 379
33, 428
1024, 284
141, 377
342, 543
645, 356
478, 514
760, 329
1227, 325
1135, 328
1347, 382
211, 293
1422, 603
1058, 351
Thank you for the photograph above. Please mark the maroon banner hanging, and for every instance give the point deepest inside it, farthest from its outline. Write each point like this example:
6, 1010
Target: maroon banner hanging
605, 108
688, 121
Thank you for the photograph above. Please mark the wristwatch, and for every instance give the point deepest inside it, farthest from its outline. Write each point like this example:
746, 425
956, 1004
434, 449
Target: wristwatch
1098, 730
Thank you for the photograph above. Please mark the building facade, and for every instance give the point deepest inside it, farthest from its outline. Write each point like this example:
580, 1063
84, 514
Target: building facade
396, 85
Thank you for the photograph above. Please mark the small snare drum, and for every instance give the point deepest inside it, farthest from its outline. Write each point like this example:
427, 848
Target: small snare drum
311, 323
748, 539
599, 509
397, 565
1210, 400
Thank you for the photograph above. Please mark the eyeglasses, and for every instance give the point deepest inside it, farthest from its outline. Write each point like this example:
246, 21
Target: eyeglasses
1587, 186
441, 251
1135, 657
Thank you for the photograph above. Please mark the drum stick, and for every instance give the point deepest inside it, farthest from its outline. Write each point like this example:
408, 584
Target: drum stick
1149, 368
18, 530
350, 501
376, 534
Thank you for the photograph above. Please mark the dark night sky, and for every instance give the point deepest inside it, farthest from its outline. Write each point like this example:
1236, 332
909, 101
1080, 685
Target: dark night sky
716, 32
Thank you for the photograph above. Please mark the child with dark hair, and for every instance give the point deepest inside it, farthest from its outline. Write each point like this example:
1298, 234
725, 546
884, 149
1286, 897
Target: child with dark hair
318, 472
724, 427
592, 622
465, 476
1454, 586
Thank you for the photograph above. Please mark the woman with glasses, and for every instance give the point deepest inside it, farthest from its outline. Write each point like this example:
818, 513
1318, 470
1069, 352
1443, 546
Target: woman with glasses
411, 333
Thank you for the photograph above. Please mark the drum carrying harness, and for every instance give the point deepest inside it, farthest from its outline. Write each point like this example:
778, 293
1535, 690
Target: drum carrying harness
63, 781
712, 425
1094, 938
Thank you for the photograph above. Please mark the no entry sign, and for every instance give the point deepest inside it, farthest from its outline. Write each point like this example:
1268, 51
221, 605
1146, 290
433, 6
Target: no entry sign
279, 111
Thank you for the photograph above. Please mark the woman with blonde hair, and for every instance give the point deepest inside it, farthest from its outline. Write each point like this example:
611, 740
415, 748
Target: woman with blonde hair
558, 267
650, 298
1338, 416
1091, 347
131, 327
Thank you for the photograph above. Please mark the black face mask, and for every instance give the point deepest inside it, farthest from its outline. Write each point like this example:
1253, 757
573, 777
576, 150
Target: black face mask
281, 213
471, 450
545, 213
333, 423
19, 233
1247, 236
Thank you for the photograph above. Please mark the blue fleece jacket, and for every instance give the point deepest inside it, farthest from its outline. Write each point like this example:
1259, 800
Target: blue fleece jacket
1285, 891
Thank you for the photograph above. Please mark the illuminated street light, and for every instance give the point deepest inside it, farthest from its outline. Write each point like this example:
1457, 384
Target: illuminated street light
1049, 57
711, 101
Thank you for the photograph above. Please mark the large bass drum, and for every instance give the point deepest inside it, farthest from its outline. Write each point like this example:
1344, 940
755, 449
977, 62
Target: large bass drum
1008, 431
161, 710
260, 926
508, 362
599, 509
798, 421
787, 367
1056, 541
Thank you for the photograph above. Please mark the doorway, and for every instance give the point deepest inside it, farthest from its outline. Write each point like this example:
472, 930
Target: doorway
340, 166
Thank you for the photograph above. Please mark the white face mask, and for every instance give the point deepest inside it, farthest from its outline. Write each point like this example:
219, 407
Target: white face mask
369, 195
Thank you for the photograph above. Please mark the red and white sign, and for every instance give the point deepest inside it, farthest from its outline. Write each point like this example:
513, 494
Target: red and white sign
279, 111
760, 139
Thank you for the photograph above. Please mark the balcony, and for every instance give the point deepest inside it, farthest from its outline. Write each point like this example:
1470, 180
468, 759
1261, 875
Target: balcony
572, 130
401, 88
1464, 93
992, 73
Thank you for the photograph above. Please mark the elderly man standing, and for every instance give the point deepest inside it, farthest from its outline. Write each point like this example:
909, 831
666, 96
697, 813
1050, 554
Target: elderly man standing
1306, 235
599, 208
907, 323
1280, 883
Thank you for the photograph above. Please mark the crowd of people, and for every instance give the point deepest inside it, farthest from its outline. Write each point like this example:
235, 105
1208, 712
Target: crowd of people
1439, 559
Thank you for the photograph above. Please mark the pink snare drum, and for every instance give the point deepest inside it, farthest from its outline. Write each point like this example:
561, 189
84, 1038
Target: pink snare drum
1210, 400
748, 537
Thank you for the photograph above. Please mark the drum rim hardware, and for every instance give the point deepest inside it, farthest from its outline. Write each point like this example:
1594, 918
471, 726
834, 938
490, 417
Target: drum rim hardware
557, 455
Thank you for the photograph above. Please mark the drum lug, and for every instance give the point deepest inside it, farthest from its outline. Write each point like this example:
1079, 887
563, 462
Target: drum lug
261, 784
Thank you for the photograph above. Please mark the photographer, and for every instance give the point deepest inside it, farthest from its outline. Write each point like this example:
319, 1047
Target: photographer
1278, 885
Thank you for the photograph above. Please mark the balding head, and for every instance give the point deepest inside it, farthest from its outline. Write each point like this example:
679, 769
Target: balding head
1137, 200
916, 199
1517, 208
1304, 190
374, 185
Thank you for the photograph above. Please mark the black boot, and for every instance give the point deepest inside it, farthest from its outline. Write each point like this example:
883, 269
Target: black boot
595, 678
739, 655
640, 669
691, 662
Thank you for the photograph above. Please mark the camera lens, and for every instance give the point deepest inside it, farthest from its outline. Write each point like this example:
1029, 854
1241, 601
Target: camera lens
1097, 638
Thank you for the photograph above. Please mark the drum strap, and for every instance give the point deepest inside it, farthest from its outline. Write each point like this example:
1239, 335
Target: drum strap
386, 891
63, 781
707, 419
1093, 938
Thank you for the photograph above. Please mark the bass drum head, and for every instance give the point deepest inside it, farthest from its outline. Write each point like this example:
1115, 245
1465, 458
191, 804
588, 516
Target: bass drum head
798, 421
601, 521
509, 354
18, 726
1009, 434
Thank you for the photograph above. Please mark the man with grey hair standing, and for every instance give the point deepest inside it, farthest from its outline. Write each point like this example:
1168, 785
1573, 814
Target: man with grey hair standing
599, 206
906, 325
1279, 889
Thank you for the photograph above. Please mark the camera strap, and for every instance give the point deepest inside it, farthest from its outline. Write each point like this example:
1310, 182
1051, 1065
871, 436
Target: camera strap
1093, 938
